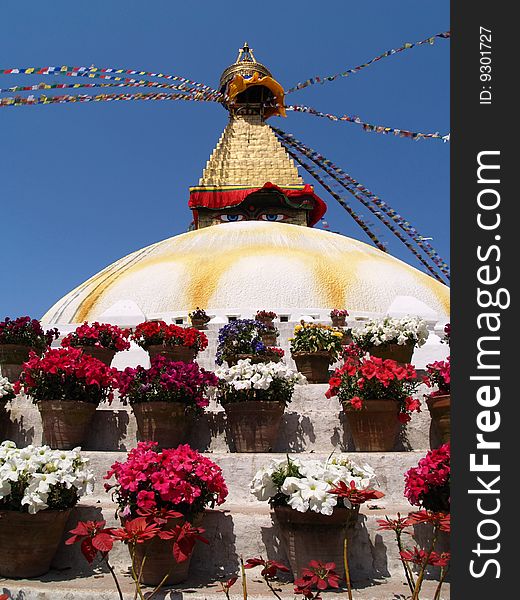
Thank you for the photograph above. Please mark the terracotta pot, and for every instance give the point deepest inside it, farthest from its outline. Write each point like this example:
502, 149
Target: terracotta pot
199, 324
339, 321
29, 542
160, 561
312, 536
161, 422
105, 355
314, 365
439, 407
269, 339
375, 427
347, 337
65, 423
12, 357
400, 353
175, 353
254, 358
253, 425
265, 321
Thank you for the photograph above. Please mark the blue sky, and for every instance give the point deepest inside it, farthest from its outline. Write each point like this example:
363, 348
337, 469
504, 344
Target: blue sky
85, 184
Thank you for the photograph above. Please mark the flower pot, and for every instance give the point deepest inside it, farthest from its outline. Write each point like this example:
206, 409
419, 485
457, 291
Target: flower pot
253, 425
161, 422
254, 358
265, 321
175, 353
312, 536
105, 355
269, 339
401, 353
160, 561
12, 357
29, 542
65, 423
314, 365
439, 407
375, 427
200, 324
347, 337
339, 321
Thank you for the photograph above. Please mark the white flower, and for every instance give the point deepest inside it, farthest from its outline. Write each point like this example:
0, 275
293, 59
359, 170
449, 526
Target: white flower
392, 330
40, 469
6, 387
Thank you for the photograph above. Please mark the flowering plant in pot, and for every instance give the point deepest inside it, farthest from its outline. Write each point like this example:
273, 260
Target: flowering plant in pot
242, 339
178, 343
38, 488
254, 396
439, 400
67, 385
199, 318
315, 503
151, 483
17, 338
164, 396
428, 484
314, 347
447, 334
390, 337
376, 395
339, 317
100, 340
266, 317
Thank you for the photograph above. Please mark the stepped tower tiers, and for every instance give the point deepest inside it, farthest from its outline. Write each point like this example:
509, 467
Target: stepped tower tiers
264, 254
250, 176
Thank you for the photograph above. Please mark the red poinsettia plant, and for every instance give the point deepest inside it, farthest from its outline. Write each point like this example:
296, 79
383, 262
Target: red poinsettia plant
369, 377
67, 374
98, 540
167, 381
159, 333
438, 376
428, 484
99, 335
25, 331
180, 479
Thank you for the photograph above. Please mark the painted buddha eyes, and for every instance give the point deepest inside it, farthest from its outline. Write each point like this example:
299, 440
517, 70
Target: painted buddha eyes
231, 218
272, 217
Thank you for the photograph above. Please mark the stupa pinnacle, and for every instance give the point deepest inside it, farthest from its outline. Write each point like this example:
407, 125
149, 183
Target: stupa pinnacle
249, 175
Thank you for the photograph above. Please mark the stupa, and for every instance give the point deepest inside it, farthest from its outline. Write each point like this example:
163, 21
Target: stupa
253, 244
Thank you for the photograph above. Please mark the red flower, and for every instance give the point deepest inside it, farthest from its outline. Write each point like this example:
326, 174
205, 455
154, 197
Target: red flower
356, 403
412, 404
100, 335
353, 494
94, 538
270, 567
136, 531
184, 537
437, 519
227, 585
418, 556
160, 333
404, 417
427, 485
317, 574
398, 525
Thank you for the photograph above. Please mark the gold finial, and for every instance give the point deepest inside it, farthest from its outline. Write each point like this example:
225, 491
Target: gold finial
245, 54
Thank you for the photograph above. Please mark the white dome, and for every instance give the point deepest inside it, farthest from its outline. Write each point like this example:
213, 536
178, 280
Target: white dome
246, 266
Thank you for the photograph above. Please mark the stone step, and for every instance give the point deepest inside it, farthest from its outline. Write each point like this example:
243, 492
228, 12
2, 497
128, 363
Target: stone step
239, 470
100, 586
311, 422
249, 531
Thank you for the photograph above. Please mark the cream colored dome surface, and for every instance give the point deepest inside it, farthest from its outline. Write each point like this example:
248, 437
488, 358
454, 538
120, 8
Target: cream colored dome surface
248, 266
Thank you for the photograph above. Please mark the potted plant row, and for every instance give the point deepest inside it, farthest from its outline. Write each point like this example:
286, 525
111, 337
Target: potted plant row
176, 343
199, 319
314, 347
254, 396
376, 396
166, 492
38, 488
164, 397
67, 386
392, 338
18, 337
100, 340
315, 503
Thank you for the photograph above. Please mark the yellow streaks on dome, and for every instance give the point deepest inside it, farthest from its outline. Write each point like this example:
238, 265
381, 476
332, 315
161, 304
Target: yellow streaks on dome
246, 266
